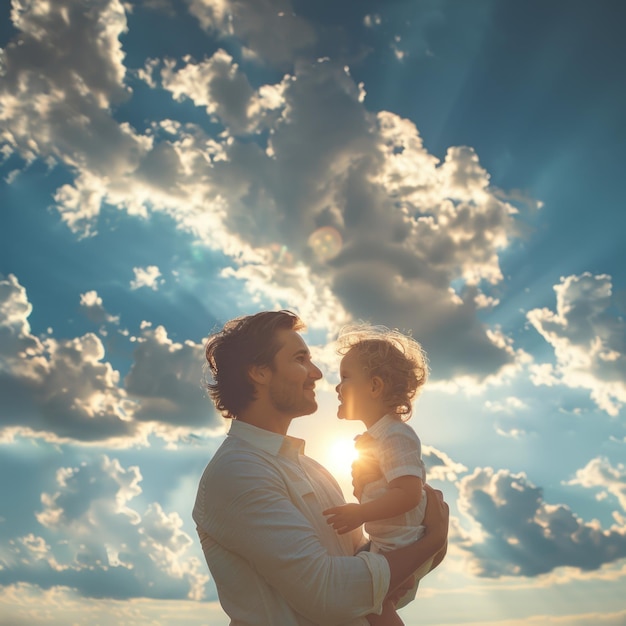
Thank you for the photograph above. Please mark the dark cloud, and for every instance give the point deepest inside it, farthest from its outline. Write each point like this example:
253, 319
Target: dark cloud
404, 240
522, 535
166, 379
449, 329
269, 29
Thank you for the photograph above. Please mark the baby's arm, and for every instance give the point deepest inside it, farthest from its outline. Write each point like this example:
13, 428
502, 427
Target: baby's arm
404, 493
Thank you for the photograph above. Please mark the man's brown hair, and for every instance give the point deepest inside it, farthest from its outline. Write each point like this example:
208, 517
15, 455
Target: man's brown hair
242, 343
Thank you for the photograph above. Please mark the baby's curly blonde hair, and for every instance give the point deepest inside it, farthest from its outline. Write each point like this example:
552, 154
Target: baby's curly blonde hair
397, 359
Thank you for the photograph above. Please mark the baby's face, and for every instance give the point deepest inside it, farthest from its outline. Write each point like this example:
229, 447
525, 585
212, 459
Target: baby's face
354, 388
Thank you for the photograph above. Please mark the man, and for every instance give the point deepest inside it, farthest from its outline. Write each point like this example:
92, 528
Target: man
274, 559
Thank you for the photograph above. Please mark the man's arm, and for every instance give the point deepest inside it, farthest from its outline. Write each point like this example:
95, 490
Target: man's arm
404, 494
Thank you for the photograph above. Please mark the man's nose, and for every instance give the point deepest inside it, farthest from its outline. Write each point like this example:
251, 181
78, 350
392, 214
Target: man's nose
338, 387
315, 372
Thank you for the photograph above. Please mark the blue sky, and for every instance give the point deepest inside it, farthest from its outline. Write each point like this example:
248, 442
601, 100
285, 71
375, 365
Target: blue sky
453, 169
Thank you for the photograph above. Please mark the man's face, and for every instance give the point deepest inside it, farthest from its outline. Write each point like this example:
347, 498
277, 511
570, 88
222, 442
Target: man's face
292, 384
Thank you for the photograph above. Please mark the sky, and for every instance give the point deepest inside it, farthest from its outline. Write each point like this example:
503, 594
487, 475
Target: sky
450, 169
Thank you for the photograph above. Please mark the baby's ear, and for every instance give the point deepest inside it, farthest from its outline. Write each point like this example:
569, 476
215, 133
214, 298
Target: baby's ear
377, 386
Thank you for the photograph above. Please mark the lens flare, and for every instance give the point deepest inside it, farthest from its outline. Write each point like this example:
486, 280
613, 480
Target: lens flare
325, 242
280, 254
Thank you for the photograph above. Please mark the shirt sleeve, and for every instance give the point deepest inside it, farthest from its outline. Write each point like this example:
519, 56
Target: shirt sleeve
251, 514
401, 455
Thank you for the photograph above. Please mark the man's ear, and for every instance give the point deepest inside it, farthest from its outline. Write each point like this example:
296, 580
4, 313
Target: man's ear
259, 374
377, 386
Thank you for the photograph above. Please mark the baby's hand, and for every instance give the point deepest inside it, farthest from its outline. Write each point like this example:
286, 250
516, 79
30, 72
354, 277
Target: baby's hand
344, 518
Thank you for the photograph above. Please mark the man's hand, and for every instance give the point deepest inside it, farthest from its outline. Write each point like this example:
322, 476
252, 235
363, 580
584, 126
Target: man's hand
388, 617
344, 518
396, 595
437, 514
437, 519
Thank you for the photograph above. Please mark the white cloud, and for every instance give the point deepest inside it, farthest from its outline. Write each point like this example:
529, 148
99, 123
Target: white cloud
64, 390
440, 466
372, 20
58, 108
16, 340
56, 105
224, 90
93, 307
295, 287
588, 340
26, 604
519, 534
146, 277
599, 472
397, 51
56, 388
511, 431
509, 405
98, 543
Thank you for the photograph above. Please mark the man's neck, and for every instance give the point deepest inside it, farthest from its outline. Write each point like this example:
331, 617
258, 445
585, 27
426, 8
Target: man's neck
267, 420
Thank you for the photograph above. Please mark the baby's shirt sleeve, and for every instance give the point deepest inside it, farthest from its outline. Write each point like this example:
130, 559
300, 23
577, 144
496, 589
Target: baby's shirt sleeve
401, 455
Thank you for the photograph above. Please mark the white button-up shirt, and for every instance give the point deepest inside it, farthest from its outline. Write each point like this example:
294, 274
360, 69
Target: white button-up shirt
274, 559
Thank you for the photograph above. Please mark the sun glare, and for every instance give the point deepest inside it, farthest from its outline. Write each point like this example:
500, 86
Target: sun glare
341, 454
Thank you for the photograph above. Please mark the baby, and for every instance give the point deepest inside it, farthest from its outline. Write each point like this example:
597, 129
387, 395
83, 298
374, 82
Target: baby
381, 373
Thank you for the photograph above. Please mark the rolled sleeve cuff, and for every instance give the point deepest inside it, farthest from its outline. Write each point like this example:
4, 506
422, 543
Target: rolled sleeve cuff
381, 577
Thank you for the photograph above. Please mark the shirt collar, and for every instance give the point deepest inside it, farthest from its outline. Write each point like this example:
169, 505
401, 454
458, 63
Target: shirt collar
265, 440
377, 429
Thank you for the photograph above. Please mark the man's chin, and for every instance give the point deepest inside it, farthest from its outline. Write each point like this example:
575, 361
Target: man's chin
309, 409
